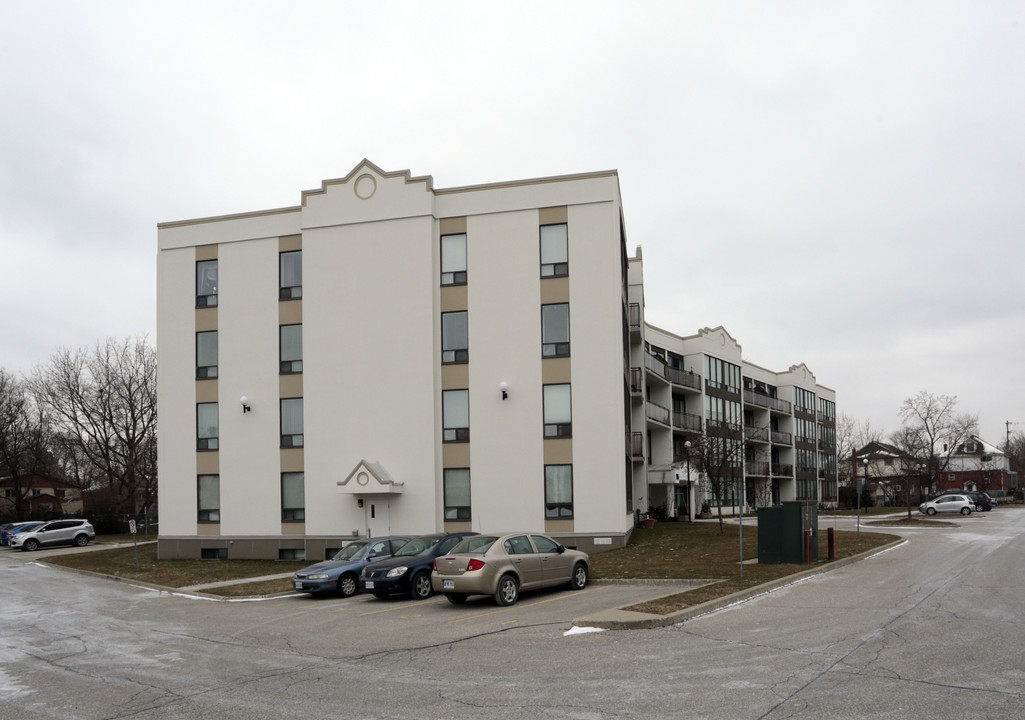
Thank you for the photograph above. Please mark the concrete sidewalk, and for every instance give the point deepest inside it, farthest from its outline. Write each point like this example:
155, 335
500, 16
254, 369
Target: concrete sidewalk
237, 581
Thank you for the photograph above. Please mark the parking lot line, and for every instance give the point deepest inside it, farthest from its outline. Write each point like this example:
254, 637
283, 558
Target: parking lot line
399, 607
577, 593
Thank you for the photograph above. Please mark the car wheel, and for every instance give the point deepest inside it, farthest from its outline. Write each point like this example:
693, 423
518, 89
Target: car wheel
930, 511
420, 588
347, 586
380, 596
30, 545
455, 598
966, 511
579, 579
508, 590
81, 540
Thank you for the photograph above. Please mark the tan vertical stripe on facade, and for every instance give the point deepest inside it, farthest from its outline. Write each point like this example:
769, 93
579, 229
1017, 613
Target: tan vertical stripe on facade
452, 225
553, 215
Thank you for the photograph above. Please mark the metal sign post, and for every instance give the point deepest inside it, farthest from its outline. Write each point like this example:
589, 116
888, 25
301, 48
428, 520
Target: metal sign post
135, 541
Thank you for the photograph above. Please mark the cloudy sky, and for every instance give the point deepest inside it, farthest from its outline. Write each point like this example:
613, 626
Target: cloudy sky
840, 184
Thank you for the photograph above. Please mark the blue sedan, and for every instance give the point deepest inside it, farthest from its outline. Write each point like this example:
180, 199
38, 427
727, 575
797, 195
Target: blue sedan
341, 573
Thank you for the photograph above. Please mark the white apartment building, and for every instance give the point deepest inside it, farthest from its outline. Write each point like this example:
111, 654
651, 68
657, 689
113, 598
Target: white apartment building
391, 357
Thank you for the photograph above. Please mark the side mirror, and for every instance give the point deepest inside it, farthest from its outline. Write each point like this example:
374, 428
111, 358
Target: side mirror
561, 549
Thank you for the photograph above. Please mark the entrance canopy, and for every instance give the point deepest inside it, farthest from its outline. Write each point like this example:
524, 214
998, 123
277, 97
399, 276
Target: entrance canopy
369, 478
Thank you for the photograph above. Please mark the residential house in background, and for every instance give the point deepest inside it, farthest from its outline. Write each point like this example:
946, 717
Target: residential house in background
977, 465
44, 497
389, 357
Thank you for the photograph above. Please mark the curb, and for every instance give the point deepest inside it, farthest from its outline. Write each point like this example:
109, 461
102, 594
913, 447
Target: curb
621, 619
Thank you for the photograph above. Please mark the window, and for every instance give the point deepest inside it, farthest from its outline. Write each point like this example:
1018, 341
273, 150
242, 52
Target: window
558, 491
291, 349
455, 412
292, 422
457, 493
544, 545
454, 338
518, 545
558, 411
293, 497
213, 554
291, 554
721, 374
206, 426
209, 490
291, 275
206, 283
206, 355
453, 259
554, 251
555, 330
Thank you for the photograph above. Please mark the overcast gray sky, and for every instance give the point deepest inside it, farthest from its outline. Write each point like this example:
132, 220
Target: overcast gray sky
840, 184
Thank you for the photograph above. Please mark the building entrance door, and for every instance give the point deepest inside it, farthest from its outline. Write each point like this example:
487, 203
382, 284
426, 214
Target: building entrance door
375, 510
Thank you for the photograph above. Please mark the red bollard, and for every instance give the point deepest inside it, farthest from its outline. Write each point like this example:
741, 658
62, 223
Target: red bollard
831, 541
807, 547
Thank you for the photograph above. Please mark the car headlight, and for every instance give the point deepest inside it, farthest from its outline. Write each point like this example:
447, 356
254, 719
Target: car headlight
321, 576
397, 572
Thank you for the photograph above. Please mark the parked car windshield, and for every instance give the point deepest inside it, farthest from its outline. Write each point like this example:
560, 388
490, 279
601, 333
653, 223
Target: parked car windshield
351, 551
417, 546
475, 544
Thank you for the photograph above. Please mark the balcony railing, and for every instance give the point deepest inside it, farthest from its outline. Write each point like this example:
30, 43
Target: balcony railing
804, 439
753, 398
633, 315
634, 375
686, 421
783, 406
656, 366
636, 444
751, 432
657, 413
781, 438
687, 378
723, 425
779, 470
757, 468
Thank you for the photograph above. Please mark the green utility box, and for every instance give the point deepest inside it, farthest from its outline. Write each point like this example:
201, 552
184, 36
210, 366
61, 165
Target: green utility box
781, 532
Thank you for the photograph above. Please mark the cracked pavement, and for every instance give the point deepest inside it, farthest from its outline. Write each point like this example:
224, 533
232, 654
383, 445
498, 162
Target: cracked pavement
932, 628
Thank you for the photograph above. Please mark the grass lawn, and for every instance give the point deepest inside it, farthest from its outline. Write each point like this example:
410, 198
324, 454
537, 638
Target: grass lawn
695, 551
120, 562
669, 551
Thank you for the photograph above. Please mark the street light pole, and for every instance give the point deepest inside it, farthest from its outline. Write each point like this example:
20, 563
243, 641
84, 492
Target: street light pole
690, 500
865, 462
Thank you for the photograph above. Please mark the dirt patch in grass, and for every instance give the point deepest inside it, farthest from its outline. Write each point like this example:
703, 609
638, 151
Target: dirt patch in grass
694, 551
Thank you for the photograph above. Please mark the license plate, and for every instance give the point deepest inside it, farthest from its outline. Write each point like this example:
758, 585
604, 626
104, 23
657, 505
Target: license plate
369, 584
448, 584
298, 585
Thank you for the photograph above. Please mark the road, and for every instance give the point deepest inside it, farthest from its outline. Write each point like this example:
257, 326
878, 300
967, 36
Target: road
932, 628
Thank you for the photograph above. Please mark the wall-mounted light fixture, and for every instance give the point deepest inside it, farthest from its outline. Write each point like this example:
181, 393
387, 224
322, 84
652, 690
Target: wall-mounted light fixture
504, 387
245, 404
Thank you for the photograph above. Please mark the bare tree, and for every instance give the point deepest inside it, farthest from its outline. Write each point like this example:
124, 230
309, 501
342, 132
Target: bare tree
24, 441
932, 429
103, 402
851, 436
1014, 448
719, 455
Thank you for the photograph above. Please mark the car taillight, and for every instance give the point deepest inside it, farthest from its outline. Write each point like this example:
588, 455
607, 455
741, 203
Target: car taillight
435, 568
474, 564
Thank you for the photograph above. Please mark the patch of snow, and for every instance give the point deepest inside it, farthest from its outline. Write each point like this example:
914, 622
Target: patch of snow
581, 630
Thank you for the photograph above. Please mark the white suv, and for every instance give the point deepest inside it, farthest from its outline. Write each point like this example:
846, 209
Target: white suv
55, 532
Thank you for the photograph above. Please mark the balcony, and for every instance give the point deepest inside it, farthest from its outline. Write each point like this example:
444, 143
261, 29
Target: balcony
657, 413
655, 366
685, 378
635, 379
781, 438
759, 434
779, 470
687, 421
760, 469
635, 445
633, 319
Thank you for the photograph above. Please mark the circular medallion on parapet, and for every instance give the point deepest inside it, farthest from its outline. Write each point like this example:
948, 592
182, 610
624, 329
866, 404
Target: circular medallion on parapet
363, 478
365, 186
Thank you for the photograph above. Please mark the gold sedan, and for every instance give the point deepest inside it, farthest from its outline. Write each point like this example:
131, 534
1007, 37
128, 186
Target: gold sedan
504, 565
